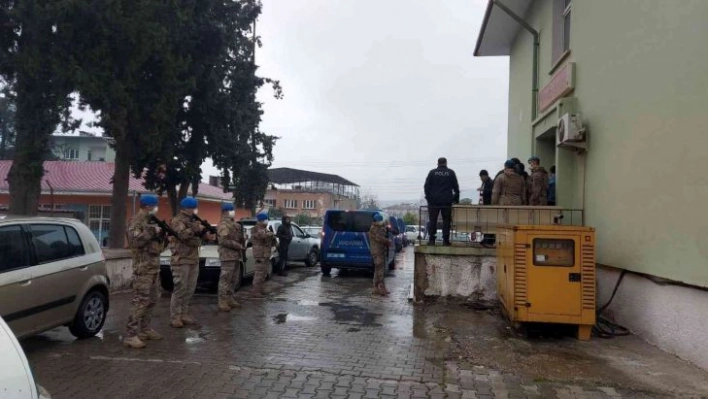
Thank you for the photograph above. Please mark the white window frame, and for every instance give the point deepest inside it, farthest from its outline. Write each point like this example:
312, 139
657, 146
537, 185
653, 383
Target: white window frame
309, 204
100, 216
71, 153
566, 15
290, 204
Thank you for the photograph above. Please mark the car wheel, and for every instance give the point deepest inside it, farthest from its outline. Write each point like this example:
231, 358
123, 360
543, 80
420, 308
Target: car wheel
312, 257
326, 270
91, 315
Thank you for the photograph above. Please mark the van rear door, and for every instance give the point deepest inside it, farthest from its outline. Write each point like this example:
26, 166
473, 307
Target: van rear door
346, 237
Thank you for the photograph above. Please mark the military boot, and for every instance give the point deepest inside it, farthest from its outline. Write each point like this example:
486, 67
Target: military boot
188, 320
234, 303
224, 307
375, 291
133, 342
150, 335
382, 289
177, 322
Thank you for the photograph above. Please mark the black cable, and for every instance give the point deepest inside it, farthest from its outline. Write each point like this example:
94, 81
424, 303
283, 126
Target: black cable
604, 328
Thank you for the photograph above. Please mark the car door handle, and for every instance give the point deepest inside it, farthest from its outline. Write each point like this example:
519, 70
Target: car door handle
83, 268
25, 283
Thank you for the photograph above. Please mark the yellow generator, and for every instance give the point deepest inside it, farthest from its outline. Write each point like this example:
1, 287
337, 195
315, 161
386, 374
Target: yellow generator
546, 274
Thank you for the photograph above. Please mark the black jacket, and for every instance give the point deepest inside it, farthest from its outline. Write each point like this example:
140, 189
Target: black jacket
284, 233
487, 192
441, 187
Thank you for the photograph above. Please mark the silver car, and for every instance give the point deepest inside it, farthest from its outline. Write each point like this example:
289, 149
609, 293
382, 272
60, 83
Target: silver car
52, 273
303, 248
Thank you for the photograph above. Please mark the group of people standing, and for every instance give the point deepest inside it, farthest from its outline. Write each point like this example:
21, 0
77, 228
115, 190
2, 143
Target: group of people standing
513, 186
147, 240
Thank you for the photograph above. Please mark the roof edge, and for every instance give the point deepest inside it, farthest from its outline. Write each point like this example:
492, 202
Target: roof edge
483, 29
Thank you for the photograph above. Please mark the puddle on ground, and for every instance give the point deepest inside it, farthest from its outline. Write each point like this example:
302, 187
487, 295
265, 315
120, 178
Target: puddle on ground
307, 302
285, 317
352, 314
352, 329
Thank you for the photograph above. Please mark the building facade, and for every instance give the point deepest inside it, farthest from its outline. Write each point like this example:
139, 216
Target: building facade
300, 192
634, 71
84, 147
84, 189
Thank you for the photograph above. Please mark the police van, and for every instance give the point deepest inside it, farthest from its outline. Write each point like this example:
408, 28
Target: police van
345, 241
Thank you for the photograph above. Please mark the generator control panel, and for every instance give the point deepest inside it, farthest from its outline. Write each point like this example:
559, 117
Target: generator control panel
553, 252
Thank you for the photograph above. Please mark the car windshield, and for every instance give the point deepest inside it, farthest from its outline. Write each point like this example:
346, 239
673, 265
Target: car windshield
357, 222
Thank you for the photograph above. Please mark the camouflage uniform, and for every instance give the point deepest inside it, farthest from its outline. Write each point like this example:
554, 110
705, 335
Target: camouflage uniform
509, 190
145, 245
378, 243
184, 263
538, 186
263, 241
231, 247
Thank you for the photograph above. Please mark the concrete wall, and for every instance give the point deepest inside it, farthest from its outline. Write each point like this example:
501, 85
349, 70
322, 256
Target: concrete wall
120, 268
467, 273
671, 317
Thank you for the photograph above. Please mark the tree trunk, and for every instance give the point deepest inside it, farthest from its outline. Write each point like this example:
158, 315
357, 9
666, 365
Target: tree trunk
121, 181
174, 201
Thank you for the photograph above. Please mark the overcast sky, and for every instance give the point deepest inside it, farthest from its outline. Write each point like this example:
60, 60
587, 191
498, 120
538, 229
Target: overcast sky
377, 90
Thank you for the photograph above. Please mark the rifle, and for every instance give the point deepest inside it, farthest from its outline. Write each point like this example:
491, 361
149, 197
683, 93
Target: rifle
211, 229
166, 229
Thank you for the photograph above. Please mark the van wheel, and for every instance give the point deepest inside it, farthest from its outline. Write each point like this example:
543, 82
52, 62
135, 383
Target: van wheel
312, 258
326, 270
90, 316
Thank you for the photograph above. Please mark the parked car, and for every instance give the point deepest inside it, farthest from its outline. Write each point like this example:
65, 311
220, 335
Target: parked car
345, 241
402, 230
314, 231
396, 232
303, 248
53, 273
414, 233
16, 378
210, 266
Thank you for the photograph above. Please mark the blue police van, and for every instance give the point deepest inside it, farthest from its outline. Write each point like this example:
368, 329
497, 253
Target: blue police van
345, 241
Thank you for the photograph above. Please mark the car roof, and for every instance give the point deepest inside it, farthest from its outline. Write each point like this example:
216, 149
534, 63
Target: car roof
17, 218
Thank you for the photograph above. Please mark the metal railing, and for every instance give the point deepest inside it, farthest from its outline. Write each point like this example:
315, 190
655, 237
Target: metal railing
476, 225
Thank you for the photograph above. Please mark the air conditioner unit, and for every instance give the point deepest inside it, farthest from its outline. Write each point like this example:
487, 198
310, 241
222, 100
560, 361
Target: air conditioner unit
570, 131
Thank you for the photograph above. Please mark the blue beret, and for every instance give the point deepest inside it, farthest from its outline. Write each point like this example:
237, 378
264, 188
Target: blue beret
148, 200
227, 206
188, 203
262, 216
378, 217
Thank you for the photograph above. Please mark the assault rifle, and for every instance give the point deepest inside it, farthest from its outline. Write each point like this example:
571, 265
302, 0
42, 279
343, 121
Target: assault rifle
166, 229
211, 229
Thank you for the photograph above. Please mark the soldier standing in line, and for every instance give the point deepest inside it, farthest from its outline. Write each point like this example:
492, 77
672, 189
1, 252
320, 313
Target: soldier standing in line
538, 183
509, 188
285, 237
146, 243
379, 244
185, 261
231, 247
263, 241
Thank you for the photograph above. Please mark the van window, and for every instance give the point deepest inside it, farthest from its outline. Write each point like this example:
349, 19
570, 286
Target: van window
13, 254
76, 248
358, 222
50, 242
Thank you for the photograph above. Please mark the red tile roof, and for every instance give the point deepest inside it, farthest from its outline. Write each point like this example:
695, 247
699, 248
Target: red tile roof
93, 178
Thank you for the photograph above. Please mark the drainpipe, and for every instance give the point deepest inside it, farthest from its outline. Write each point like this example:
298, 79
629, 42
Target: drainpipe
536, 45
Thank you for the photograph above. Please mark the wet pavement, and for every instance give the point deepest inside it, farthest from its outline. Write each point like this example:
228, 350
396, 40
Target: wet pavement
321, 337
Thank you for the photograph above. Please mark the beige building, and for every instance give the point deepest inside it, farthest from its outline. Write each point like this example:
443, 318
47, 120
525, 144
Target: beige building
614, 93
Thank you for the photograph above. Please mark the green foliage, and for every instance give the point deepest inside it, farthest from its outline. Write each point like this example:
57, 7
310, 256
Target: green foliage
465, 201
34, 36
410, 219
303, 219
